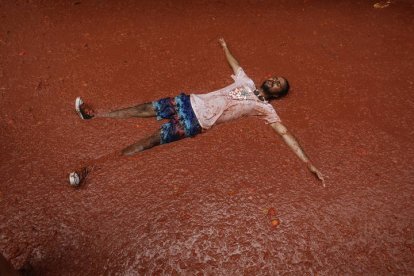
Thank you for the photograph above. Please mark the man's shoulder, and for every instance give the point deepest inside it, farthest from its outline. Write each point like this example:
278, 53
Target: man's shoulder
245, 78
242, 78
239, 74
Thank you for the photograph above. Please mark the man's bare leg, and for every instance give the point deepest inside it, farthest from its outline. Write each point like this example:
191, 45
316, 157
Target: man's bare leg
143, 144
144, 110
78, 177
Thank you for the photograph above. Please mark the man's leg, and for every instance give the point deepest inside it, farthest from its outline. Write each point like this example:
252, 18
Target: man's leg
141, 111
143, 144
78, 177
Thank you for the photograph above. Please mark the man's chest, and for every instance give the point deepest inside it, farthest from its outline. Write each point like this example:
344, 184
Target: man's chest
241, 93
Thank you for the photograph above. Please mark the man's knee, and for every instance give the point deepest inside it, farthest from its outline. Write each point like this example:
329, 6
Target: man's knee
147, 108
143, 144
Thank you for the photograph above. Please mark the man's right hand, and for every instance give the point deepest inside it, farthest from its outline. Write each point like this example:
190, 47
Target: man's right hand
222, 43
231, 60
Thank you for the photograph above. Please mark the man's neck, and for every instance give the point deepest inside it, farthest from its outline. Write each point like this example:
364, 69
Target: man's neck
261, 94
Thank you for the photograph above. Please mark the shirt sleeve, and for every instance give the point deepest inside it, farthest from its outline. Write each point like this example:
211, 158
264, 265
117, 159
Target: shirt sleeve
240, 74
268, 113
241, 78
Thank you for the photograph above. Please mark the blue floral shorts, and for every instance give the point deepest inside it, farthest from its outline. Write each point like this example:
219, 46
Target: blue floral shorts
182, 120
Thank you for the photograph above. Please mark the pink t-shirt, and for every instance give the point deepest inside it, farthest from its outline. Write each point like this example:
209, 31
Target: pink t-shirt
232, 102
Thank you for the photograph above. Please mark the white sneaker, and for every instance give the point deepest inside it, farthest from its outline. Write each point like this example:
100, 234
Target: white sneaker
76, 178
83, 111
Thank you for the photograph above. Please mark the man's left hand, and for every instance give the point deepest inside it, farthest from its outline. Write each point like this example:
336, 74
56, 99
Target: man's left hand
317, 173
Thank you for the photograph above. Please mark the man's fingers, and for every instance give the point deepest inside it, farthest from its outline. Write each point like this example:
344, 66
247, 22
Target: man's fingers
317, 174
222, 42
321, 178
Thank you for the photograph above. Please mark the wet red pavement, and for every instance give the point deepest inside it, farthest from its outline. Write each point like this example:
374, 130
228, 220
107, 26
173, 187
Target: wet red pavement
201, 205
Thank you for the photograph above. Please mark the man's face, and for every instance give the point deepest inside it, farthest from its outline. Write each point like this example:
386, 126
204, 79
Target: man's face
274, 85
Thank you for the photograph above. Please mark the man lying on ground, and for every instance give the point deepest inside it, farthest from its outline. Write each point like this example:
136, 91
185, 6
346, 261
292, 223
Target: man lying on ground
192, 114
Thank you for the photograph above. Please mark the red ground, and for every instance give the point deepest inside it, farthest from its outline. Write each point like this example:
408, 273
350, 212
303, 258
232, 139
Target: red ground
199, 205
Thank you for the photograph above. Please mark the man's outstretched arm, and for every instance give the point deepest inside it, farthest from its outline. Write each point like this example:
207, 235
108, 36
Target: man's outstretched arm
232, 61
296, 148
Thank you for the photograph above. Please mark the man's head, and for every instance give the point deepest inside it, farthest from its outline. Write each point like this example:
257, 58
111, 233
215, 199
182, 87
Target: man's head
275, 87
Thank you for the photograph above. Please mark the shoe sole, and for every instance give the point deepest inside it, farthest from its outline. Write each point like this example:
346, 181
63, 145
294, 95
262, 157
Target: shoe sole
78, 103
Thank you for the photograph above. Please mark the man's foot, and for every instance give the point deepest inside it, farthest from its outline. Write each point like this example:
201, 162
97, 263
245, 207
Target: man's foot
78, 177
83, 110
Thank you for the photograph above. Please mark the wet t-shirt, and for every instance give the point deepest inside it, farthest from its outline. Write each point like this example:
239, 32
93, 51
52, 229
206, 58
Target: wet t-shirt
232, 102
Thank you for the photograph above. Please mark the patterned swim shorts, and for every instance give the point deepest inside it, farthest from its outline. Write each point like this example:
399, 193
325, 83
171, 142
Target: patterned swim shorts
182, 120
